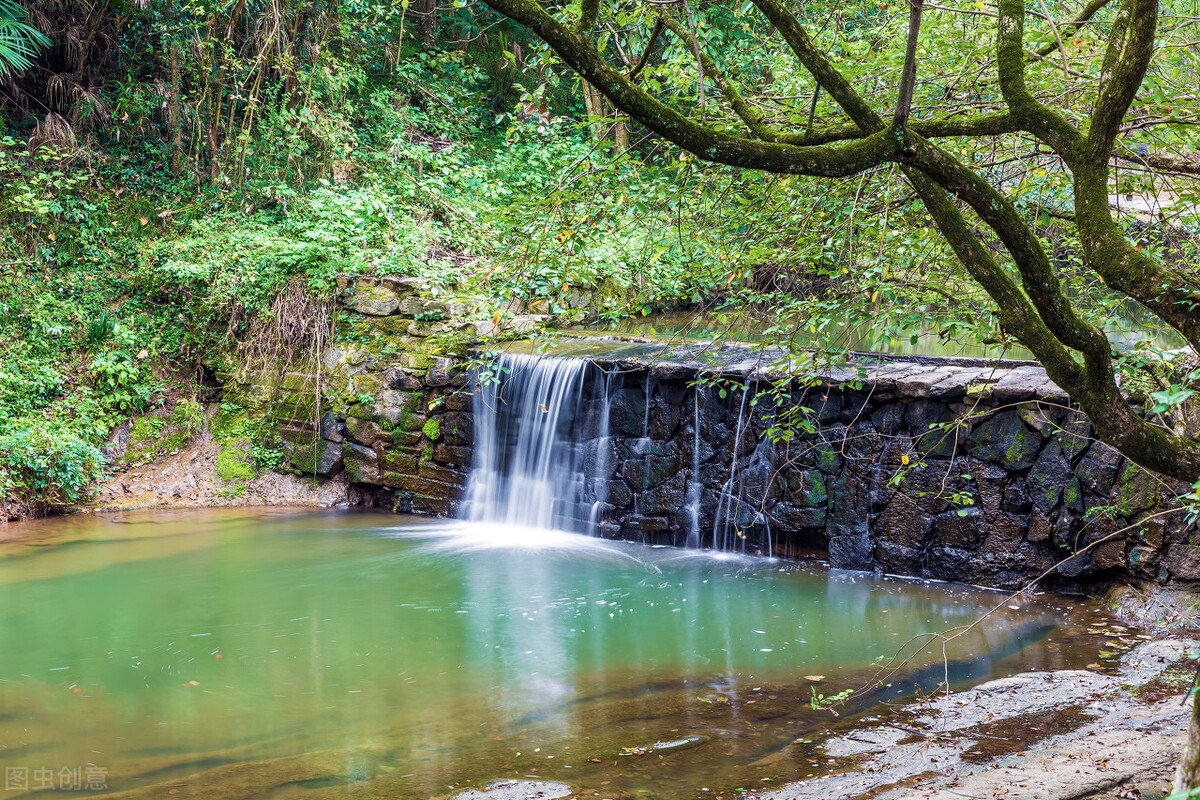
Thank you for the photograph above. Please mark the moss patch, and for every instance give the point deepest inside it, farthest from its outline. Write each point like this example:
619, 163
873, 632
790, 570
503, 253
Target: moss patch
431, 429
233, 467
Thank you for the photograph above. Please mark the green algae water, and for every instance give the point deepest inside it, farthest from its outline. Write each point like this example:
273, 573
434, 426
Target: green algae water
288, 655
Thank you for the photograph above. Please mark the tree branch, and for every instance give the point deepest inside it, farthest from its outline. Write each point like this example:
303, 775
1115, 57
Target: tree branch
1051, 128
819, 66
908, 74
582, 56
709, 68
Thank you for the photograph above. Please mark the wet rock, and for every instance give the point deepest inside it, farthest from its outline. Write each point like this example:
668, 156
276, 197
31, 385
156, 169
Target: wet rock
664, 420
1183, 562
808, 488
1097, 470
361, 463
457, 428
1006, 441
1049, 476
931, 425
791, 517
664, 498
962, 531
619, 493
851, 550
628, 413
646, 472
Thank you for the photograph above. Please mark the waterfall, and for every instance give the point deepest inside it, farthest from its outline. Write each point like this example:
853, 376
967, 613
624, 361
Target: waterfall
695, 487
727, 506
541, 444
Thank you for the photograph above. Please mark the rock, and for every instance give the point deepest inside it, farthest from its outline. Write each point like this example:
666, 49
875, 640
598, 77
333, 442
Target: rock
627, 415
400, 378
1183, 562
440, 373
1005, 440
930, 423
363, 431
331, 429
789, 517
851, 551
921, 381
374, 301
1025, 383
664, 498
1097, 470
361, 463
457, 428
1050, 474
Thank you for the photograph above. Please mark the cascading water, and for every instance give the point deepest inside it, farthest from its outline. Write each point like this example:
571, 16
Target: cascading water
725, 534
695, 487
541, 444
545, 457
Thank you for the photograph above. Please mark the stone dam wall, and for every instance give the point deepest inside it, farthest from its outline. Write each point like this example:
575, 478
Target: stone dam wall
949, 469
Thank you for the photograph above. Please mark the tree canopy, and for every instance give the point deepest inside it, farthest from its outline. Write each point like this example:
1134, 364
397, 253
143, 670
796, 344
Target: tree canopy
947, 97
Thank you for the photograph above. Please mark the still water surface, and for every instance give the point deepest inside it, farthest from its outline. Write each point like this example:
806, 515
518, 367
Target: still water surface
282, 654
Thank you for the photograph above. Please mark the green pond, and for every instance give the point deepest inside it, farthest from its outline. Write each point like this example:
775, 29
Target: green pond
223, 654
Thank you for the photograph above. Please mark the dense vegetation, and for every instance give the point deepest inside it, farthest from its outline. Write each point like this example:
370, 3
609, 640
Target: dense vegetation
170, 170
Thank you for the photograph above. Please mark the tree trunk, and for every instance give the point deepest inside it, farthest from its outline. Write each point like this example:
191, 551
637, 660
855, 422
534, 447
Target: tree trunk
1188, 775
173, 108
593, 101
620, 137
429, 23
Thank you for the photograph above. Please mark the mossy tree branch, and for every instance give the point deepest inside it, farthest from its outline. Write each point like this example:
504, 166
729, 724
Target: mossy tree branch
1076, 354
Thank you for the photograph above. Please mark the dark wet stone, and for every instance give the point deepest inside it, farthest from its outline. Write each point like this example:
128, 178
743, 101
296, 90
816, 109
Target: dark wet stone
963, 531
1039, 527
646, 472
457, 427
951, 564
664, 420
791, 517
619, 493
627, 415
990, 481
1050, 474
851, 551
930, 424
1097, 470
1073, 496
600, 460
664, 498
901, 525
896, 558
1006, 441
1183, 562
807, 488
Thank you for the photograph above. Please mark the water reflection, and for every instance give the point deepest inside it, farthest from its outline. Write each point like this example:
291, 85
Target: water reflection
251, 654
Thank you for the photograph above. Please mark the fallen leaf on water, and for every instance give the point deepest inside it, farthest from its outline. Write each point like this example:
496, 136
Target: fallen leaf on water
1095, 666
814, 678
192, 683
